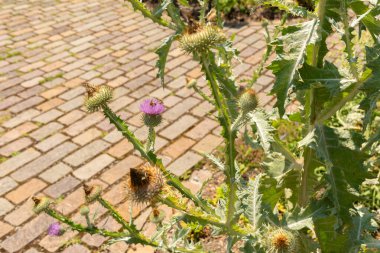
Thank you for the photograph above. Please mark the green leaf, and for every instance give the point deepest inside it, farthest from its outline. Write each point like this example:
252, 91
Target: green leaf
161, 8
291, 49
367, 18
372, 85
330, 240
263, 128
345, 168
253, 211
219, 164
163, 52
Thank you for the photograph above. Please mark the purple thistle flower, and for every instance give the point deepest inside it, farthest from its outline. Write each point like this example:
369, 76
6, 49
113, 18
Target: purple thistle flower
55, 229
152, 107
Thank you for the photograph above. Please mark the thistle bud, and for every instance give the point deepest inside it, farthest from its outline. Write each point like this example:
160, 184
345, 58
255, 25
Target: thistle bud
144, 184
157, 216
248, 101
281, 240
92, 192
152, 109
203, 39
41, 204
97, 96
84, 210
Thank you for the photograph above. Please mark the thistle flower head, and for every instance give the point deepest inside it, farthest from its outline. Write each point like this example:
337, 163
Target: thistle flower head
144, 184
204, 38
55, 229
152, 109
279, 240
92, 192
41, 204
248, 101
97, 96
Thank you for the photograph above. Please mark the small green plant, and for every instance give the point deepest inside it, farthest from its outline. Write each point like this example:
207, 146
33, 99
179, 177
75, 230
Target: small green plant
306, 195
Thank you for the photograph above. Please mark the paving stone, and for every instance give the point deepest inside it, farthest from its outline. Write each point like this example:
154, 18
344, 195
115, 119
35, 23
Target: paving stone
83, 124
93, 167
184, 163
27, 233
178, 147
120, 169
21, 118
56, 172
4, 229
89, 151
62, 186
21, 214
17, 161
46, 130
5, 206
120, 149
6, 184
22, 106
202, 129
87, 136
15, 146
48, 116
208, 144
178, 127
70, 117
25, 190
51, 142
43, 162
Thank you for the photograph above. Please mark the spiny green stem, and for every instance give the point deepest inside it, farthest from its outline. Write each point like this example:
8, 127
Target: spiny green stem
150, 140
229, 135
202, 94
78, 227
152, 158
117, 216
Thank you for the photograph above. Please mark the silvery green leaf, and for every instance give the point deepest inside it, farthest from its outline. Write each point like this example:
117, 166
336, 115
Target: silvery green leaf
259, 119
219, 164
163, 52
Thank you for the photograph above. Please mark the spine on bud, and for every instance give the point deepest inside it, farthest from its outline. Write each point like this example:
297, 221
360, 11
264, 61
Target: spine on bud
92, 192
97, 97
248, 101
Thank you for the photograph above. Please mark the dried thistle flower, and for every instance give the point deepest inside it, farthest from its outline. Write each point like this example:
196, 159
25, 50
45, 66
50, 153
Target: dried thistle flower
41, 204
202, 39
92, 192
248, 101
144, 184
97, 96
279, 240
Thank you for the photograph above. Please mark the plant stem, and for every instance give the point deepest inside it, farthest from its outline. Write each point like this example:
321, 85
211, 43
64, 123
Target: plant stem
229, 136
117, 216
303, 195
150, 140
78, 227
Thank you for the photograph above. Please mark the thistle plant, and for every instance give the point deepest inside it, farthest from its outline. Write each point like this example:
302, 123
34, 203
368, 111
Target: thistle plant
304, 198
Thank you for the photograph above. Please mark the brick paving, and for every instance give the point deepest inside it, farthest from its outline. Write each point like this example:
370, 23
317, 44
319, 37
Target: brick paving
49, 145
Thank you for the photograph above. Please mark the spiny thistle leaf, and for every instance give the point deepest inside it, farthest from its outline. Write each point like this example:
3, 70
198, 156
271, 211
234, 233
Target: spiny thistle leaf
162, 52
291, 49
264, 129
345, 169
254, 202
